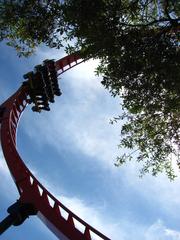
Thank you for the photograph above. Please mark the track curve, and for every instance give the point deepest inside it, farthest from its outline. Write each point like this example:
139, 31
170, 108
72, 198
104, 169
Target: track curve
30, 189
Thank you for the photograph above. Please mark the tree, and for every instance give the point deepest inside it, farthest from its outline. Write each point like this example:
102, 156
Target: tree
137, 42
138, 45
26, 24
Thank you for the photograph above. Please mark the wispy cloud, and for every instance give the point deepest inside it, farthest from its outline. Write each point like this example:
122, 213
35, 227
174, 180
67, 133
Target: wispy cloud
159, 231
122, 229
46, 53
95, 217
3, 166
8, 188
94, 214
159, 191
79, 120
80, 117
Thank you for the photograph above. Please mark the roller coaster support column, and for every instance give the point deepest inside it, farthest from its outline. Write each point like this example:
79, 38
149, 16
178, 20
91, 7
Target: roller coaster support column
18, 213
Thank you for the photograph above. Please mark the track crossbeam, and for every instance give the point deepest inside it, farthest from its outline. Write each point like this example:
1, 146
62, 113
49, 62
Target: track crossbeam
34, 197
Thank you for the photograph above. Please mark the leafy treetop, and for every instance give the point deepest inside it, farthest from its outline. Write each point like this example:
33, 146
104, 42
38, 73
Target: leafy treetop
137, 42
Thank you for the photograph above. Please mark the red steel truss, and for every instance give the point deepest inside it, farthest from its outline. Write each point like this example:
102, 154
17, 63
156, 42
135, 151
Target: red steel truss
49, 209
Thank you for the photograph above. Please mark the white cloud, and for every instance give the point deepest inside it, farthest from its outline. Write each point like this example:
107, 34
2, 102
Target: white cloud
158, 231
81, 79
80, 118
173, 234
94, 214
94, 217
46, 53
7, 185
3, 166
122, 229
158, 191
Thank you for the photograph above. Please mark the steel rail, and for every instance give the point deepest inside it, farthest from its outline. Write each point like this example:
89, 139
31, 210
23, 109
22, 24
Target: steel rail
57, 217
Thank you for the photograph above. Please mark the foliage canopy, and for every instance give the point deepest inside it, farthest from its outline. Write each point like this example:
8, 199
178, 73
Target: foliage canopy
137, 42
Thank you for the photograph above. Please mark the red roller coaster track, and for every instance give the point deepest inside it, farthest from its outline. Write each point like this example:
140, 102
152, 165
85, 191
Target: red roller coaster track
49, 209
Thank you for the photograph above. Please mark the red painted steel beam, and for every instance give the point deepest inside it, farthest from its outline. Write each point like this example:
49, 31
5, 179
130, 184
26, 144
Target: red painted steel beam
50, 210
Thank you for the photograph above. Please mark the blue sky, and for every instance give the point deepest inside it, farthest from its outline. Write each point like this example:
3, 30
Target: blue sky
71, 150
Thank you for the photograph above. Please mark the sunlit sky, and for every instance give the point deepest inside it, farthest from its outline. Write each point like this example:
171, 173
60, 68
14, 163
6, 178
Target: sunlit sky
72, 150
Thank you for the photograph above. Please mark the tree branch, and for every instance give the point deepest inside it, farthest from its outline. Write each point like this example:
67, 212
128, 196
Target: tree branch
152, 23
